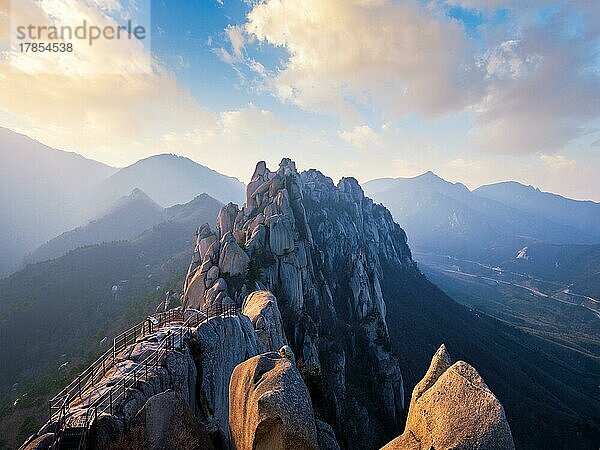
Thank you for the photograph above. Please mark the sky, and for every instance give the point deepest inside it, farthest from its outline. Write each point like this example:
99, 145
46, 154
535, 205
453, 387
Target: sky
478, 91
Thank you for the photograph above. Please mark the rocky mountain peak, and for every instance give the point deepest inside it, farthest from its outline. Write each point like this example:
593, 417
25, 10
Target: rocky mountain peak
319, 247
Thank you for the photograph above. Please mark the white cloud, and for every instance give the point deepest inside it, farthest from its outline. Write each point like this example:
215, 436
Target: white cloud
543, 91
558, 163
251, 121
466, 165
505, 62
79, 107
362, 137
479, 4
236, 38
343, 53
534, 89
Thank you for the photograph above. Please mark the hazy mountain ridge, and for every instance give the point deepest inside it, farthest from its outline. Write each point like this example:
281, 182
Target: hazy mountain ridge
448, 218
169, 180
583, 215
485, 225
45, 192
127, 218
40, 192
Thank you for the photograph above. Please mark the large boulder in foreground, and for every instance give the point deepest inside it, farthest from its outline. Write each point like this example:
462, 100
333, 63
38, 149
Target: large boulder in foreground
167, 422
220, 345
270, 407
452, 408
261, 307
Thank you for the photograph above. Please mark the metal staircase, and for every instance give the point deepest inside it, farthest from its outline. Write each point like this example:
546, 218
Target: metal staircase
72, 429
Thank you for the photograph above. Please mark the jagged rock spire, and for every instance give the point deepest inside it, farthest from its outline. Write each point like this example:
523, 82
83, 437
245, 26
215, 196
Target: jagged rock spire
319, 247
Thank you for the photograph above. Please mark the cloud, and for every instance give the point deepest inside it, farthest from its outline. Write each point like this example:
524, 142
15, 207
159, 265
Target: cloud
347, 53
237, 139
504, 62
533, 88
95, 100
478, 4
558, 162
362, 137
237, 40
544, 89
251, 121
466, 165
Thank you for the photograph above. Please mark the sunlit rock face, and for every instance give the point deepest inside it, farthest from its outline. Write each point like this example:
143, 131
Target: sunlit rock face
261, 308
270, 407
452, 408
319, 248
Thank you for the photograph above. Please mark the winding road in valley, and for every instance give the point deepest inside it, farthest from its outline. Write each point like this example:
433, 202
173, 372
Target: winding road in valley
455, 267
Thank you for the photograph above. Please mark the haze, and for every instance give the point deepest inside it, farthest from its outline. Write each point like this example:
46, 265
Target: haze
476, 91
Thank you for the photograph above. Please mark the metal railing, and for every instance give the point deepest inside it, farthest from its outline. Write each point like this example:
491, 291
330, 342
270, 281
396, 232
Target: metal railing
60, 404
102, 365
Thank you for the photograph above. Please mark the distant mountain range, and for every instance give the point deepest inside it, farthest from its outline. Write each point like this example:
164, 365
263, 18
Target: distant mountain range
45, 192
40, 190
448, 218
169, 180
581, 215
128, 217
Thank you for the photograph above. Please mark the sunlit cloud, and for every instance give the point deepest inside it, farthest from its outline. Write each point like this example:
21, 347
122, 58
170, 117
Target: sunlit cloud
534, 92
346, 53
559, 162
362, 137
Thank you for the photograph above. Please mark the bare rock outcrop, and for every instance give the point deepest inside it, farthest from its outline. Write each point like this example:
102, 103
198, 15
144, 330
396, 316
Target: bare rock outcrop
261, 308
232, 260
270, 407
166, 422
452, 408
326, 436
219, 345
321, 248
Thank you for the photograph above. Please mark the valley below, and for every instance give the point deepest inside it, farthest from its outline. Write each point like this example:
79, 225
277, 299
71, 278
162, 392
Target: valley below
543, 308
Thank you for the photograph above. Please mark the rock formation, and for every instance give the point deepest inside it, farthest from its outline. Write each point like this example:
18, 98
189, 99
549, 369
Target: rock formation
166, 423
294, 352
219, 345
261, 308
452, 408
320, 249
270, 407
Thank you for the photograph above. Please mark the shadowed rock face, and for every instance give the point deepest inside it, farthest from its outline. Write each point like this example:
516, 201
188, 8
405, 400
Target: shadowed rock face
452, 408
221, 344
270, 407
166, 422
